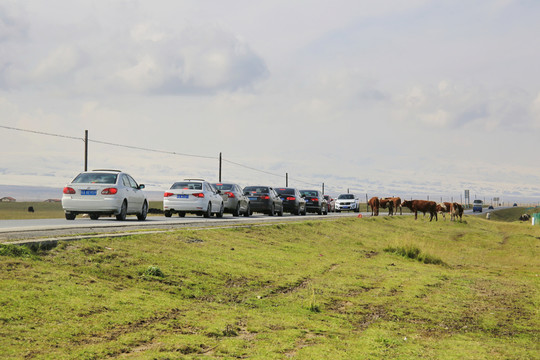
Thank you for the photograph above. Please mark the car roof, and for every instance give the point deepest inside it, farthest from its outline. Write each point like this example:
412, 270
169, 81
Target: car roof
108, 170
194, 180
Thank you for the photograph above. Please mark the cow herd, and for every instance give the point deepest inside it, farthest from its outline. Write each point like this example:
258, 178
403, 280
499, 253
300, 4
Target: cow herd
424, 206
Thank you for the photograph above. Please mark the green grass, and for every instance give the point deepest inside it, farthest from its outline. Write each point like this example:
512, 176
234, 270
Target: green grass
310, 290
42, 210
512, 214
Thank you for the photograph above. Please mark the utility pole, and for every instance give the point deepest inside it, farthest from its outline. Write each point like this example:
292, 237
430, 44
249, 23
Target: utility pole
219, 167
286, 179
323, 188
85, 150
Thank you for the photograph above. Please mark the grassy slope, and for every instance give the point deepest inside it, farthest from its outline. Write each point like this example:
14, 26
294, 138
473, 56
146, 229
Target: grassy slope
316, 289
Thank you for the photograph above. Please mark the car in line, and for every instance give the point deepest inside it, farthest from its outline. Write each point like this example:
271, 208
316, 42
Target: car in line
315, 201
194, 196
331, 203
264, 199
104, 193
234, 200
347, 202
293, 202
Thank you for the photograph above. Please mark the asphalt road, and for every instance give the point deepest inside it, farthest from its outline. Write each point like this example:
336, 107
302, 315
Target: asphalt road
20, 230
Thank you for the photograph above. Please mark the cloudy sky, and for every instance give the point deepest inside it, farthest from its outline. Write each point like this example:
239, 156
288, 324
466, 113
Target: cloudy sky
405, 97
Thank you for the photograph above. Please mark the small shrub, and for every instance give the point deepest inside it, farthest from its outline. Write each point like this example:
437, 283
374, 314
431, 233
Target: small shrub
153, 271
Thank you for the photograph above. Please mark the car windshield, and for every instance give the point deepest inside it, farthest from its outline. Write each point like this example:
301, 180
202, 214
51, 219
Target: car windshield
187, 185
309, 192
95, 178
477, 201
346, 196
257, 189
224, 186
283, 191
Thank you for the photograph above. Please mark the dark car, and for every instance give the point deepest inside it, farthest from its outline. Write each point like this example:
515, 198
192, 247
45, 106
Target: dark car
331, 203
264, 199
234, 200
293, 202
315, 201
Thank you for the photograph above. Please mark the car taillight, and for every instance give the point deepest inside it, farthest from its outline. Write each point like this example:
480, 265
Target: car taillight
314, 199
230, 194
291, 198
109, 191
265, 197
199, 195
167, 194
68, 190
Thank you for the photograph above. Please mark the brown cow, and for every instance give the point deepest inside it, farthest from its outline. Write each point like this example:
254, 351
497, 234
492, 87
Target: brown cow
423, 206
443, 208
455, 211
387, 203
397, 204
374, 204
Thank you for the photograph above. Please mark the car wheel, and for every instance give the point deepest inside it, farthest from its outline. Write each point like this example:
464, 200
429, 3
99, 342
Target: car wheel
305, 211
319, 211
123, 212
94, 216
298, 211
220, 213
236, 212
144, 212
167, 213
357, 209
248, 211
70, 216
208, 211
181, 214
338, 211
272, 210
325, 212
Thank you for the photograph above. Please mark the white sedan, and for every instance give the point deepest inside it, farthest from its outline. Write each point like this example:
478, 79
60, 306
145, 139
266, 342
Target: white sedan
194, 196
104, 192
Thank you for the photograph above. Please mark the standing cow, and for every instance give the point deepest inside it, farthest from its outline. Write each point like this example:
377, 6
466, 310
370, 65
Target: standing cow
423, 206
455, 211
374, 204
387, 203
396, 204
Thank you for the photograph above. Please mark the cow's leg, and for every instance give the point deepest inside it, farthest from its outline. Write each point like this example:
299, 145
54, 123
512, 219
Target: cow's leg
415, 214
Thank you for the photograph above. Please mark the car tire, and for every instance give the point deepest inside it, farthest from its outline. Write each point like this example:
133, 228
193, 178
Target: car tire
357, 209
319, 211
144, 212
94, 216
208, 211
181, 214
167, 213
70, 216
236, 212
272, 210
248, 211
123, 212
338, 211
325, 212
220, 213
305, 211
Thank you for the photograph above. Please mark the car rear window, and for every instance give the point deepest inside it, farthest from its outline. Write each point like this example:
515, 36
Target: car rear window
95, 178
224, 186
283, 191
188, 185
309, 193
346, 196
257, 189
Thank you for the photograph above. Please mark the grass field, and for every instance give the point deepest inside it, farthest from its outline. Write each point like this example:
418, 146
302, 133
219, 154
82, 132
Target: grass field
42, 210
372, 288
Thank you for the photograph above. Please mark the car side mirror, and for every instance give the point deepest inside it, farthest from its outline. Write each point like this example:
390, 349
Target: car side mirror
141, 186
218, 191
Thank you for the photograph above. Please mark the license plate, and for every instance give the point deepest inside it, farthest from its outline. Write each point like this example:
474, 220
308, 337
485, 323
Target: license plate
182, 196
253, 198
88, 192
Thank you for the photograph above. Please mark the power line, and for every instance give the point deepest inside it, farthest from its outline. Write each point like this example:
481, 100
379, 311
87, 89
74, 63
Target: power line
41, 133
154, 150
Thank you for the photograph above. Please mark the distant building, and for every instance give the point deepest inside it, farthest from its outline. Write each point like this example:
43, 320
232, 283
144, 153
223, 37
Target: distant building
7, 199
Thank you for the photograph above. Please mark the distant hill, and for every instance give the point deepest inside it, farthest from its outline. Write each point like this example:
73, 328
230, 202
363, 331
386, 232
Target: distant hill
42, 193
